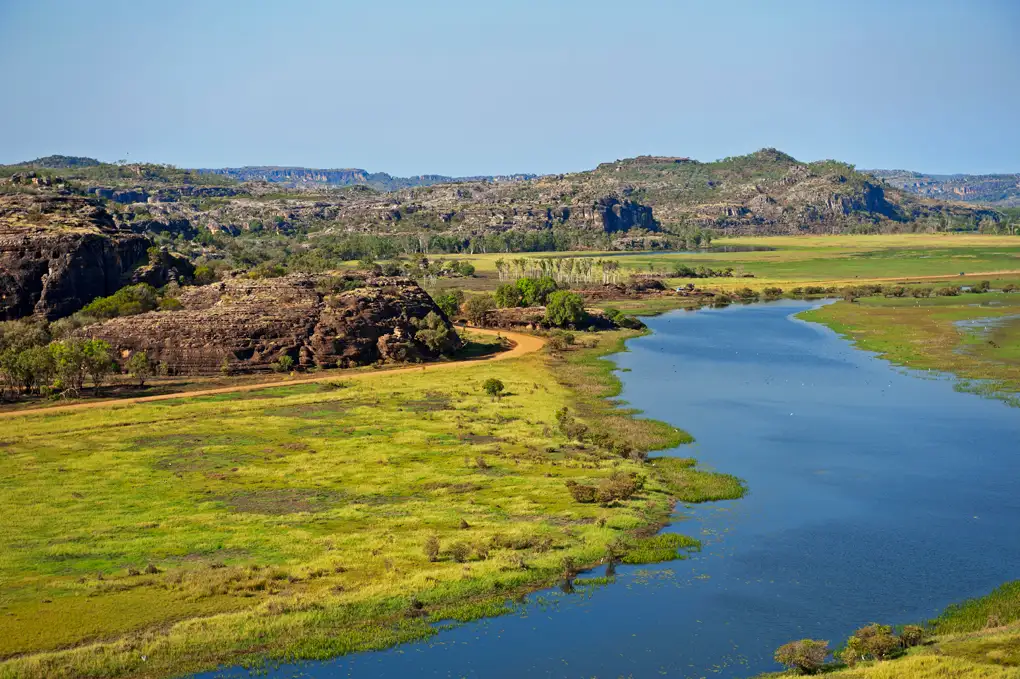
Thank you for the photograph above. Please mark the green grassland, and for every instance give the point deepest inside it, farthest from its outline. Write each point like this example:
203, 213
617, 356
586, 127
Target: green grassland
800, 260
156, 539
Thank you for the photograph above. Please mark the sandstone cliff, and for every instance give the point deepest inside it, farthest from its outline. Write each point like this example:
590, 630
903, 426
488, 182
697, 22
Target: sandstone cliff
58, 253
246, 325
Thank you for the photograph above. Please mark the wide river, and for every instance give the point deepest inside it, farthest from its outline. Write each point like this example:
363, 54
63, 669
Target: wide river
875, 495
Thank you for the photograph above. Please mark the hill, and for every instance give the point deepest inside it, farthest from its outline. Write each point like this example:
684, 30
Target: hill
298, 177
1001, 190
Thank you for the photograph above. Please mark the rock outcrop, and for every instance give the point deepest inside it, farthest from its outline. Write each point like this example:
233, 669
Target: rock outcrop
58, 253
244, 325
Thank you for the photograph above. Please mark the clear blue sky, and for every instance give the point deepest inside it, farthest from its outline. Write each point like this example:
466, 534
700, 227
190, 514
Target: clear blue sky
497, 86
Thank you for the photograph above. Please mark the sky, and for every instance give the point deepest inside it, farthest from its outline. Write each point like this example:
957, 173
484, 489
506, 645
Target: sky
502, 86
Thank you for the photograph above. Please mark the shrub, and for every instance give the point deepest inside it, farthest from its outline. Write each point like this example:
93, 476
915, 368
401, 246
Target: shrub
564, 308
981, 286
283, 364
948, 291
461, 552
911, 635
921, 292
872, 642
772, 292
807, 656
431, 548
1008, 287
582, 493
134, 299
493, 387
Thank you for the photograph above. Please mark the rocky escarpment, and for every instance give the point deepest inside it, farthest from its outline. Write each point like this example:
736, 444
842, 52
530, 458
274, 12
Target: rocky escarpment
58, 253
244, 325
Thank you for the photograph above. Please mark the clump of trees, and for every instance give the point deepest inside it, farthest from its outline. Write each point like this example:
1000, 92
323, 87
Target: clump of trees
684, 271
525, 292
564, 309
477, 307
561, 269
872, 642
56, 367
433, 332
449, 302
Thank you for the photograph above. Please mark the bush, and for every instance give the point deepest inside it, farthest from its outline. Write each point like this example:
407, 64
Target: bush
807, 656
461, 552
1008, 287
619, 486
134, 299
981, 286
564, 309
283, 364
872, 642
911, 635
582, 493
772, 292
431, 548
948, 291
493, 387
921, 292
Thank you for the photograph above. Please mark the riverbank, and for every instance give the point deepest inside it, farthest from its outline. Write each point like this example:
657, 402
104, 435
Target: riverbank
977, 639
975, 337
308, 521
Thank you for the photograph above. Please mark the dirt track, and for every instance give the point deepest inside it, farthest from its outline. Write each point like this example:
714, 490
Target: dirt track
522, 345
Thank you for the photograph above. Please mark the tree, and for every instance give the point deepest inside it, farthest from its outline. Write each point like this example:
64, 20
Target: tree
536, 291
98, 362
476, 308
69, 363
807, 656
564, 308
508, 295
433, 332
450, 302
494, 387
139, 367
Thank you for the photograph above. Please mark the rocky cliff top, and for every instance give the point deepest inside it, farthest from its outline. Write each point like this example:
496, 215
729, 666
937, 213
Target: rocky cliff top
58, 253
246, 325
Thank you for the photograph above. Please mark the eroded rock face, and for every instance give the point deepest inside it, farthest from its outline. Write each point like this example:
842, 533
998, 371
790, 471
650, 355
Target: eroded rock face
58, 253
248, 325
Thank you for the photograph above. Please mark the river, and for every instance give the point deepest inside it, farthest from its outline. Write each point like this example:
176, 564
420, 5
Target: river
875, 495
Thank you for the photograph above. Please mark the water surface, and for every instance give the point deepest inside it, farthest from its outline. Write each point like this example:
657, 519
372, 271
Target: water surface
875, 495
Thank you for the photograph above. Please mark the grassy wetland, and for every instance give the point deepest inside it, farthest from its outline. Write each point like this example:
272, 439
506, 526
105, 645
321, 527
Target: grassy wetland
308, 521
